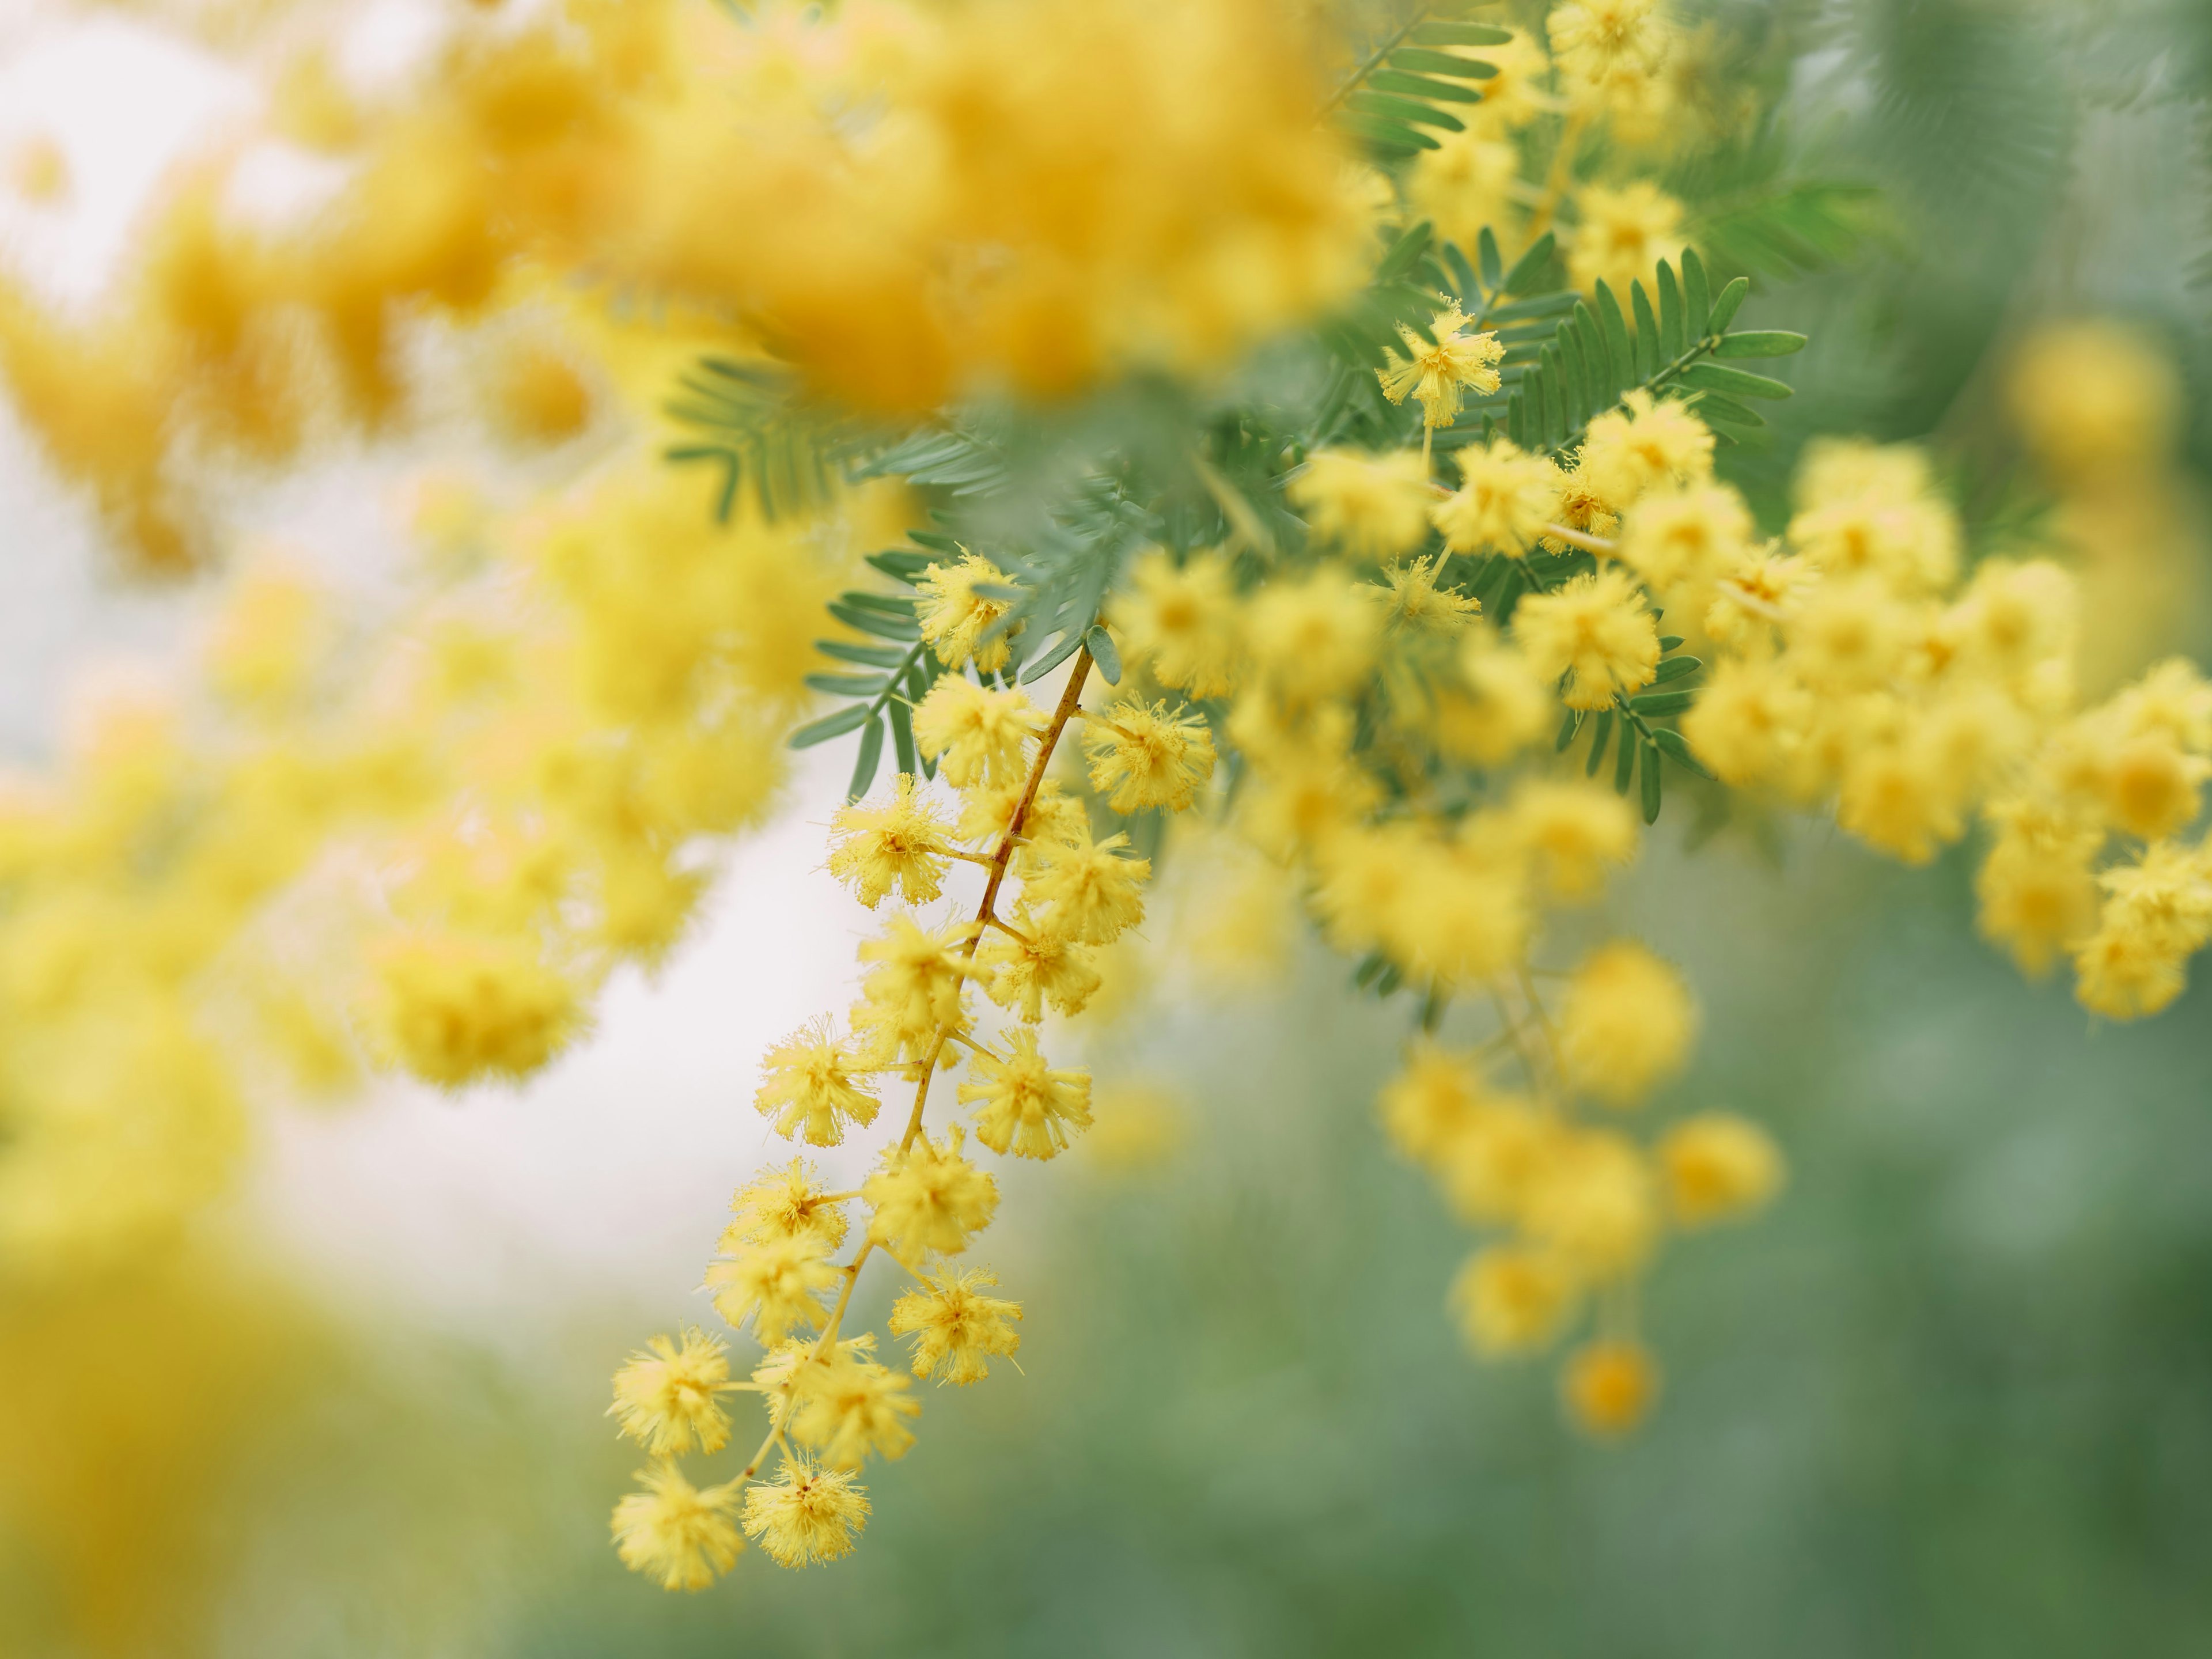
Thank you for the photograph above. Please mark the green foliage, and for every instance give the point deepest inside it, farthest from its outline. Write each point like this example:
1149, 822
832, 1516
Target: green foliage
1408, 83
756, 427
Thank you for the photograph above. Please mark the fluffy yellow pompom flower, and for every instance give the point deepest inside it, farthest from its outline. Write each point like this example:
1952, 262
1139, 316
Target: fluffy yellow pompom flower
1181, 620
1718, 1167
1085, 890
954, 616
1512, 1300
787, 1203
459, 1008
1029, 969
1597, 630
913, 991
1505, 498
847, 1405
1144, 756
1580, 506
874, 848
1576, 832
807, 1086
1748, 720
1623, 235
1610, 1387
1466, 182
1376, 505
957, 1330
805, 1514
986, 813
929, 1201
776, 1282
1500, 706
1592, 1198
1024, 1104
981, 732
1645, 445
1686, 537
1412, 601
1429, 1101
1438, 374
676, 1533
2125, 972
2151, 787
2037, 896
1627, 1025
1490, 1167
666, 1394
1589, 36
1314, 638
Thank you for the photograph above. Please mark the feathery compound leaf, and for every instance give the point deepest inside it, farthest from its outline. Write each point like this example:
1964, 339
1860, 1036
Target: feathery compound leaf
1421, 61
1421, 85
1734, 382
1676, 747
846, 718
872, 656
1675, 668
1530, 269
758, 428
1759, 342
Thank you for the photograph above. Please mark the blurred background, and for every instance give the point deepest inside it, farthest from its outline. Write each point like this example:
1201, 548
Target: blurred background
1953, 1395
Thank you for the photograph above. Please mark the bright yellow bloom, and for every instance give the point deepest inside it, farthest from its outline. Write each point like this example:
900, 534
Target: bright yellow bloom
1575, 831
2127, 973
1580, 506
1028, 970
676, 1533
1643, 446
1374, 506
805, 1514
1685, 538
987, 812
1505, 499
790, 1202
1182, 621
957, 1330
1025, 1105
665, 1394
929, 1201
913, 992
1086, 891
954, 616
1627, 1025
1466, 182
1312, 638
2037, 895
981, 732
1513, 1300
459, 1008
900, 843
1591, 1197
808, 1086
1589, 36
776, 1283
1437, 374
847, 1405
1501, 707
1431, 1101
1146, 755
1623, 235
1610, 1387
1412, 602
1718, 1167
1748, 719
1597, 630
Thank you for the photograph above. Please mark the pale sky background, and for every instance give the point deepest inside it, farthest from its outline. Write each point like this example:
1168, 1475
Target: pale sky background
606, 1177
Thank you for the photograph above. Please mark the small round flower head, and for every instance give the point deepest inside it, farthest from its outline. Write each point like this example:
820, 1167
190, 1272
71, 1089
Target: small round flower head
1374, 506
1685, 538
1589, 36
1718, 1167
807, 1086
1762, 592
1580, 506
787, 1203
1144, 756
2172, 699
1645, 444
1313, 638
1627, 1024
954, 616
1033, 969
677, 1534
981, 733
1413, 603
986, 814
1596, 630
1439, 375
1462, 919
1748, 721
930, 1199
1591, 1197
1434, 1097
1505, 498
1902, 796
1024, 1104
459, 1008
2097, 401
1511, 1300
776, 1282
1490, 1165
2166, 894
1181, 621
1517, 94
1871, 510
665, 1394
957, 1330
2036, 895
1466, 182
1610, 1387
1086, 891
848, 1406
2152, 787
900, 843
805, 1514
1575, 832
2127, 973
1500, 706
1622, 233
913, 984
